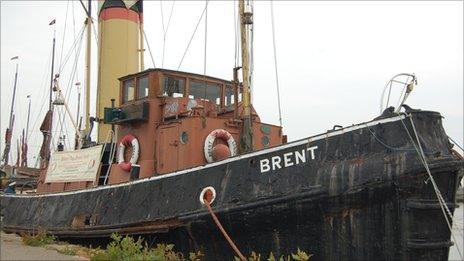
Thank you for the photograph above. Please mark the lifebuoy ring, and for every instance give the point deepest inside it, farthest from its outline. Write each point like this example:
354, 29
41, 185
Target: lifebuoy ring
126, 141
219, 134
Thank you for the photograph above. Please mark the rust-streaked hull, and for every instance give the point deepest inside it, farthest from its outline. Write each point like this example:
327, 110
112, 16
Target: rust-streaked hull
361, 193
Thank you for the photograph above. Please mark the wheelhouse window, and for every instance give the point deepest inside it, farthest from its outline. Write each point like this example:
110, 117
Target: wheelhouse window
128, 90
205, 91
142, 87
173, 87
229, 97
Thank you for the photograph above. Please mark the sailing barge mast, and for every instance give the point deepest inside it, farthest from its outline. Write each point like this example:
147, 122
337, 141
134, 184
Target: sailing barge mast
9, 130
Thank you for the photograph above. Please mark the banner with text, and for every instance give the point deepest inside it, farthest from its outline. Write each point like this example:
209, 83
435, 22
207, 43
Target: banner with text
72, 166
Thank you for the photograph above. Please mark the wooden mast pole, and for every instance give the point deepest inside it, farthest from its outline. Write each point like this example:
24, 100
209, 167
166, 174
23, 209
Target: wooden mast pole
46, 127
9, 130
28, 116
88, 68
247, 135
50, 104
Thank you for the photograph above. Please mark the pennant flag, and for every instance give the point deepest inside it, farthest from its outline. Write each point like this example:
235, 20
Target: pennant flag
52, 22
14, 58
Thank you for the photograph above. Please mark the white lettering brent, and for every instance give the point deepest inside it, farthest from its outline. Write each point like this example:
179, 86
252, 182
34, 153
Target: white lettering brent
288, 159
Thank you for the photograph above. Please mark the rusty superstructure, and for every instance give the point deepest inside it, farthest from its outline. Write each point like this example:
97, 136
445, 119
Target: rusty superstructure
171, 114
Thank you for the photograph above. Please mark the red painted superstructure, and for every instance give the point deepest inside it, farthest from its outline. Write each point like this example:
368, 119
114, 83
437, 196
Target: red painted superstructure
171, 114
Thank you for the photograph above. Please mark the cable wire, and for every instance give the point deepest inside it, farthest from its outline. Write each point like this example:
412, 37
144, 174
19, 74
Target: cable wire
149, 49
165, 29
204, 57
191, 38
235, 33
64, 32
275, 63
455, 143
251, 34
206, 42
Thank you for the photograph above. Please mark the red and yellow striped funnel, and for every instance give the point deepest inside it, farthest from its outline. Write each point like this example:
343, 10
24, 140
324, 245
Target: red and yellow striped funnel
120, 36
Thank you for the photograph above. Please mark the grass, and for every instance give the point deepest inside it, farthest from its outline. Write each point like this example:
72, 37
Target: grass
39, 239
298, 256
128, 249
68, 250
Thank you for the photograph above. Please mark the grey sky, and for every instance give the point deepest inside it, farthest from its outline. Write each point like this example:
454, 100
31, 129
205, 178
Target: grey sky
334, 58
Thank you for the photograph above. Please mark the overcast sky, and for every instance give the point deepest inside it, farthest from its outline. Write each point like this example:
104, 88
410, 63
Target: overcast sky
334, 58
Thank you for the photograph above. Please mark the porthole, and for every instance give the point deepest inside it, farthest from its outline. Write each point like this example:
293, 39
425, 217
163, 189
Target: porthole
184, 137
265, 141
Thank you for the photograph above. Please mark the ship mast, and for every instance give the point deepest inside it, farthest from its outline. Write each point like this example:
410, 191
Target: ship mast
246, 142
87, 70
46, 127
50, 102
24, 146
9, 130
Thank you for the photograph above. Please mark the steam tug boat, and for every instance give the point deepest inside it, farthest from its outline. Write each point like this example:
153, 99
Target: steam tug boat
375, 190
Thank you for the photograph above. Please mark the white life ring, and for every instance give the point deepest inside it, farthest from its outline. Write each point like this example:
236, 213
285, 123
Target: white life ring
126, 141
219, 134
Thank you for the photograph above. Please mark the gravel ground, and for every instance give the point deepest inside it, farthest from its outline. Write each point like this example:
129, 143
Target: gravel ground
12, 248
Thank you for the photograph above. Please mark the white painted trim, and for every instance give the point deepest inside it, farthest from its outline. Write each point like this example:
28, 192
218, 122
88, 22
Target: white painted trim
228, 160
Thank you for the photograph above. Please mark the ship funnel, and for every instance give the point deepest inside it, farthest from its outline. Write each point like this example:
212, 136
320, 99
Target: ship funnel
119, 51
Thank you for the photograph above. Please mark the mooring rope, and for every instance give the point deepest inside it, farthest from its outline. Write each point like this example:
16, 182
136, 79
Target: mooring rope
207, 200
441, 201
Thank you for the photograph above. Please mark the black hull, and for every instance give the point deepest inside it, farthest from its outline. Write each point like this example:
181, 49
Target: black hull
362, 194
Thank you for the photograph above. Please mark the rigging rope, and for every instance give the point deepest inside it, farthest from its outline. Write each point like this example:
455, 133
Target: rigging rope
250, 34
455, 143
191, 38
44, 92
165, 30
149, 49
206, 42
76, 57
204, 57
275, 63
95, 34
62, 123
69, 88
390, 147
235, 31
73, 46
162, 16
64, 33
74, 31
441, 201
